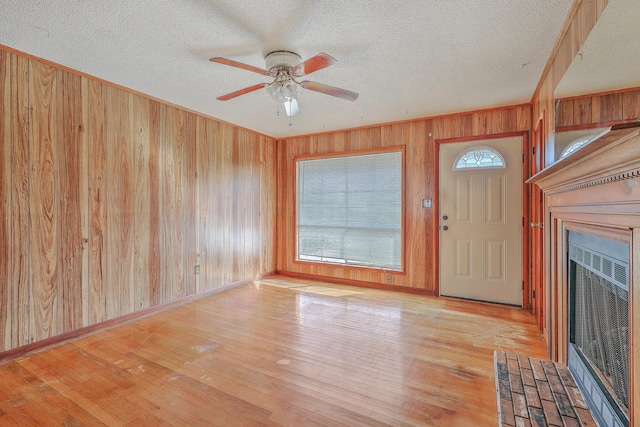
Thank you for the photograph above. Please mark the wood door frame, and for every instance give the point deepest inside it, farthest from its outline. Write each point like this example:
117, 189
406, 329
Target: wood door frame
526, 301
536, 212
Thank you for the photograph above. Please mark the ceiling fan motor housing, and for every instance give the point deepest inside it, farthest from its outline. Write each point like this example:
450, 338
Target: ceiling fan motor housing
281, 59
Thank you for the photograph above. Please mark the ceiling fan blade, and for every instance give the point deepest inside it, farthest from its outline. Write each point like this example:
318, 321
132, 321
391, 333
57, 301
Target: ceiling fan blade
237, 64
241, 92
318, 62
330, 90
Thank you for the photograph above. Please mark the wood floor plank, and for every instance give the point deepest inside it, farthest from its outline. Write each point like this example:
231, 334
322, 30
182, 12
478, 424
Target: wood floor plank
279, 352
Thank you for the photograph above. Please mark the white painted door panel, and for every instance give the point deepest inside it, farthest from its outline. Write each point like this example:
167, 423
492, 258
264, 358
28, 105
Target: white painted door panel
481, 225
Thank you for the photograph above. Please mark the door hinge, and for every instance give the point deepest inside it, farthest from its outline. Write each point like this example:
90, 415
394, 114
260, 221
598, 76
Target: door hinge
533, 294
522, 157
533, 150
523, 221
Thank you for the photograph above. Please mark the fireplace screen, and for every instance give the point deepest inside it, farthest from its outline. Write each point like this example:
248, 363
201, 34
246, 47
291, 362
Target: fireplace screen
601, 330
599, 321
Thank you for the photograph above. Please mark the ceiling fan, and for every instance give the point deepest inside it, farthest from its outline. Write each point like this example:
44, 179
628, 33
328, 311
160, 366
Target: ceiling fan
285, 67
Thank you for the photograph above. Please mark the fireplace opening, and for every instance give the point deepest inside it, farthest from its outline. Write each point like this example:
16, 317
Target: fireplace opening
599, 325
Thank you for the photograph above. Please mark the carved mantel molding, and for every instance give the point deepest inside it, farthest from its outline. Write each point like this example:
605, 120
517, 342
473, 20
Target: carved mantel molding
613, 156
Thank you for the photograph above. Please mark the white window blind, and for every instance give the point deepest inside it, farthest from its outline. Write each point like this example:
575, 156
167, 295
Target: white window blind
350, 210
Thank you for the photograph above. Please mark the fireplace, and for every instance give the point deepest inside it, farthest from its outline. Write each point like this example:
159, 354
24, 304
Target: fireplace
592, 271
598, 325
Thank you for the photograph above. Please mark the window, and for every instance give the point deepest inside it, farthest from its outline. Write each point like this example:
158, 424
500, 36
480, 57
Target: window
350, 209
479, 157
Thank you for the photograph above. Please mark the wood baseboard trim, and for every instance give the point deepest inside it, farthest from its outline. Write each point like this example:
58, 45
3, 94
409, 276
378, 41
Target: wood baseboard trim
107, 324
362, 284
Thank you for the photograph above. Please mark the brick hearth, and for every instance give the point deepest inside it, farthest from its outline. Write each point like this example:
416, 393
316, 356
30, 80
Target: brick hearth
534, 392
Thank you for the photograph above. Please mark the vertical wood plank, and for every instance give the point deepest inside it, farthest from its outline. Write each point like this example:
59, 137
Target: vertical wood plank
155, 134
175, 202
164, 209
217, 201
244, 202
20, 187
5, 201
596, 107
222, 224
631, 104
253, 191
282, 261
510, 120
465, 124
439, 127
581, 111
482, 123
203, 207
229, 208
268, 198
43, 200
565, 113
524, 118
84, 185
498, 121
191, 223
263, 192
611, 107
142, 212
113, 156
254, 236
97, 203
70, 253
126, 203
451, 129
339, 141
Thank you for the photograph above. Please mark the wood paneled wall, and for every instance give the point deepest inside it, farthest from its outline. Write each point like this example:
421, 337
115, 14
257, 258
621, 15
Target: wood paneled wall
109, 199
598, 109
581, 20
420, 139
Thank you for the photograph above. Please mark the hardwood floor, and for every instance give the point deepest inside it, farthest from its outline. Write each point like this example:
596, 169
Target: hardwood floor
280, 352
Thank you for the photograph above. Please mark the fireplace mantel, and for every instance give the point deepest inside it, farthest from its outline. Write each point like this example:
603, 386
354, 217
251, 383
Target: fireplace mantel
596, 190
613, 156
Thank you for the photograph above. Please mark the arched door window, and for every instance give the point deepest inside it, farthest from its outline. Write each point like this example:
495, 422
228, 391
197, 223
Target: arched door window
574, 146
479, 158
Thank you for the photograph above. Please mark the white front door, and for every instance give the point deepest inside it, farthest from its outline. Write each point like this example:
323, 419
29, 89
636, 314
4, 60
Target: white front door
481, 220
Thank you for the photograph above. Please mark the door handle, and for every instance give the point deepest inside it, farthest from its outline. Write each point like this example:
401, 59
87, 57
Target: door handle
445, 217
445, 227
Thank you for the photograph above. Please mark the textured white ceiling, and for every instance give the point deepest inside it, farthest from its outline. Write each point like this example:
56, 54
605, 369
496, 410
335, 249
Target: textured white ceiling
406, 58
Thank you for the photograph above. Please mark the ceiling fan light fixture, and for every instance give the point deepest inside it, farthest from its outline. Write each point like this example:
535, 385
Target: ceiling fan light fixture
291, 106
285, 91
